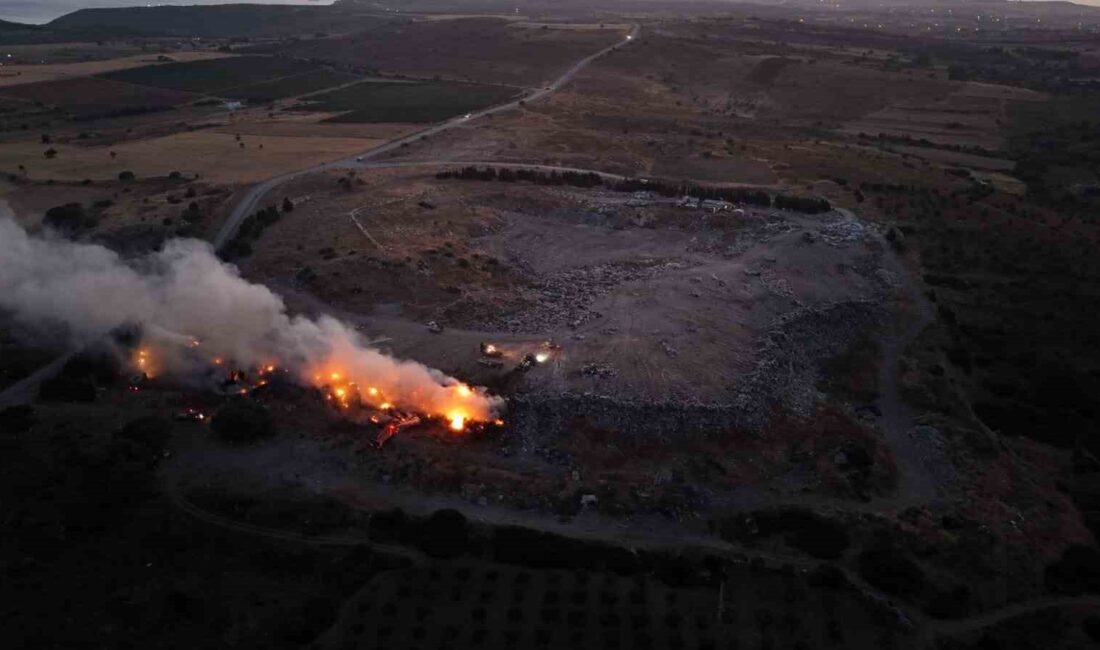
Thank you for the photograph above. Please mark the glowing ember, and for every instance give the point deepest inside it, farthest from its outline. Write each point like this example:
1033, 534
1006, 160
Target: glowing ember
457, 422
359, 383
542, 357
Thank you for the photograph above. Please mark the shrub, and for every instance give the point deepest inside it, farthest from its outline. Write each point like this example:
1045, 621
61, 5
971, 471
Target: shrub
444, 534
16, 419
70, 216
67, 389
805, 204
242, 421
126, 176
1076, 572
891, 570
149, 433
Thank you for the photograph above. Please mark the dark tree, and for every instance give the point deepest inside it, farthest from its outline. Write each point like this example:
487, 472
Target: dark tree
70, 216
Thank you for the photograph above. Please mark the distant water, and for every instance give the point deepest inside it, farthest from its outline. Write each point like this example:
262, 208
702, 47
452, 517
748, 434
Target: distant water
43, 11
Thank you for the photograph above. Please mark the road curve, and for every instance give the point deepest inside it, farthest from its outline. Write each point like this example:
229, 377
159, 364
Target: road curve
249, 203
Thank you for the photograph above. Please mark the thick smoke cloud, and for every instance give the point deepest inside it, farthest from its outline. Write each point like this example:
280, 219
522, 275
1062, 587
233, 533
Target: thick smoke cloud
185, 291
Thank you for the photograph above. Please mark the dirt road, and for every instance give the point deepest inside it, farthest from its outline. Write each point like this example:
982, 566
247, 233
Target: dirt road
251, 200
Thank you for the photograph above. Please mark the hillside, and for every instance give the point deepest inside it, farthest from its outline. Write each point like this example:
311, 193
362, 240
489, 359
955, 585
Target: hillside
219, 21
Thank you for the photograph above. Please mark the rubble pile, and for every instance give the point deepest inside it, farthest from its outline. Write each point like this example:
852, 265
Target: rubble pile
789, 353
784, 378
535, 416
564, 299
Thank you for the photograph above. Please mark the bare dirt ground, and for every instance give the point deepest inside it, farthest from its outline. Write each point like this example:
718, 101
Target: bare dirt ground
647, 303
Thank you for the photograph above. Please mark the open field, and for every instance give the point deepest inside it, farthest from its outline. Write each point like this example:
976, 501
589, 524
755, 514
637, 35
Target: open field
972, 116
422, 102
222, 76
85, 98
12, 75
215, 156
468, 49
303, 83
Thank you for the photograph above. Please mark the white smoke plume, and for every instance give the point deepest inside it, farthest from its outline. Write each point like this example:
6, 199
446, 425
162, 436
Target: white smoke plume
184, 291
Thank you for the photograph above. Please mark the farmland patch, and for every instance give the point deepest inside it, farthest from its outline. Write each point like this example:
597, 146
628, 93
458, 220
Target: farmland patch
92, 97
407, 102
215, 77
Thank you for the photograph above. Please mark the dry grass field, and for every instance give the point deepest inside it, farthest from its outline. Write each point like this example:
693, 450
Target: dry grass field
312, 125
974, 115
14, 75
85, 98
216, 156
467, 49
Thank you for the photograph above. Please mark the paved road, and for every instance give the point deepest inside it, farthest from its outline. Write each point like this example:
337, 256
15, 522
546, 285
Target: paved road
252, 199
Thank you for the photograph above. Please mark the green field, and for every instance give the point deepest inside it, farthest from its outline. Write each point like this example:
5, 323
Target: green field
407, 102
308, 82
231, 76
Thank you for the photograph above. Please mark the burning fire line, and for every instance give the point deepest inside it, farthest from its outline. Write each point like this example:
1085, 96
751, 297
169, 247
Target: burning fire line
459, 411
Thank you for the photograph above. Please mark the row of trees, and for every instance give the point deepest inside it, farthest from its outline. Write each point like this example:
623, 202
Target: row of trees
507, 175
251, 228
741, 195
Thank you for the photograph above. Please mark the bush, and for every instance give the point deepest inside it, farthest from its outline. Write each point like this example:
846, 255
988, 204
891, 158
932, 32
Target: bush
126, 176
67, 389
1076, 572
242, 421
16, 419
811, 533
70, 216
149, 433
805, 204
444, 534
891, 570
100, 366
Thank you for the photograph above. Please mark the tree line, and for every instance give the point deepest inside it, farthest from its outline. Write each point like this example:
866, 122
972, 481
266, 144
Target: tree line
250, 230
740, 195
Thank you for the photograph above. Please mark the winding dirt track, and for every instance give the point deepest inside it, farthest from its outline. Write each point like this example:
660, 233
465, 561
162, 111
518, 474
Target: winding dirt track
251, 200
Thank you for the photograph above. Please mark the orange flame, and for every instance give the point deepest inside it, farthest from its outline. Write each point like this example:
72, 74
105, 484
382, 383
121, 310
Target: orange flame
457, 422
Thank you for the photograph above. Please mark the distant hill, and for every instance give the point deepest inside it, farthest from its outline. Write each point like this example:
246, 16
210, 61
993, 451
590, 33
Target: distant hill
216, 21
8, 26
